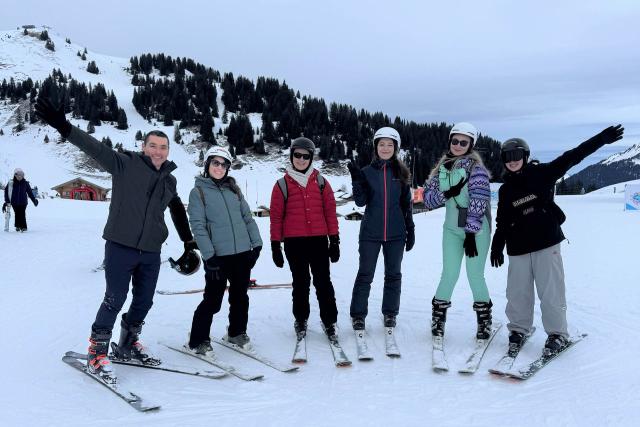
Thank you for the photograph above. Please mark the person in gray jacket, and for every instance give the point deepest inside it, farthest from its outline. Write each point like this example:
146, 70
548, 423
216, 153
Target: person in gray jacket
230, 243
143, 188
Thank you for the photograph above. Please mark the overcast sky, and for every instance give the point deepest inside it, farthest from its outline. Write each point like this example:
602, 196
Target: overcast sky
552, 72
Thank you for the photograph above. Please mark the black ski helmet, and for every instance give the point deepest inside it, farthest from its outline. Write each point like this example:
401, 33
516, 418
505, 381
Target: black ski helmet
512, 145
187, 264
304, 144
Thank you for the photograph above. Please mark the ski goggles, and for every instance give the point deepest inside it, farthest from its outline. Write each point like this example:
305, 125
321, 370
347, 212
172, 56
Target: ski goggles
217, 164
512, 156
461, 142
302, 156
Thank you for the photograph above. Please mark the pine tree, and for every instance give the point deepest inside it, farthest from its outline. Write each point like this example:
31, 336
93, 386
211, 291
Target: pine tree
139, 136
1, 132
25, 32
122, 120
225, 116
68, 40
91, 128
44, 35
50, 45
92, 67
46, 139
176, 135
83, 57
19, 127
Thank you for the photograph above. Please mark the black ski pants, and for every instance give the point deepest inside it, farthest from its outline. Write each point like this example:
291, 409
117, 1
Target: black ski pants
311, 255
21, 216
236, 269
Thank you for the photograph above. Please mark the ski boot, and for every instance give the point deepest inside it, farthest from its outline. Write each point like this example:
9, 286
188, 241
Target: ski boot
301, 329
203, 349
98, 362
438, 316
129, 346
331, 331
357, 323
515, 342
554, 344
389, 321
241, 340
483, 311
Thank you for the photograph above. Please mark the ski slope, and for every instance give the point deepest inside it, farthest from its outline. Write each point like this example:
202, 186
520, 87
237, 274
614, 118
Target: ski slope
50, 297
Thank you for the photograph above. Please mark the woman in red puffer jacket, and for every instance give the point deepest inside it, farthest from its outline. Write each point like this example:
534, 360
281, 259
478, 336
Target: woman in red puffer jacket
303, 215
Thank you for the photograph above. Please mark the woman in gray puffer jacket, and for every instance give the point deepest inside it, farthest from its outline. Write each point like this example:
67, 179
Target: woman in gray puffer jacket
230, 243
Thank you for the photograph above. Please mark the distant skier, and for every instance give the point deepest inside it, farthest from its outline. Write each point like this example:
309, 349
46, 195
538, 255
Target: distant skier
460, 182
230, 244
304, 220
15, 196
143, 187
528, 222
384, 187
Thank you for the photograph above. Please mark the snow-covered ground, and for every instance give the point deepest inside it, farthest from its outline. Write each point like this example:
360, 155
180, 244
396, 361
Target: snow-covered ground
50, 296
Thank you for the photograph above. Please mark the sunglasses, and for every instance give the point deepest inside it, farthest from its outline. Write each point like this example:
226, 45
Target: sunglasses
217, 164
302, 156
460, 142
512, 156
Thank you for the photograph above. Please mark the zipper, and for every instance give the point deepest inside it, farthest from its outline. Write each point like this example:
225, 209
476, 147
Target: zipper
384, 180
233, 231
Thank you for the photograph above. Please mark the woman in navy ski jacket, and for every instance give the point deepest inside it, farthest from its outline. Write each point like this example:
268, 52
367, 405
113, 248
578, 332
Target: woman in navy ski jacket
16, 195
384, 188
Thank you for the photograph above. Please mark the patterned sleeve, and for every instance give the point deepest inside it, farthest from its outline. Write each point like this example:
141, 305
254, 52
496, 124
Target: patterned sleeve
479, 198
433, 197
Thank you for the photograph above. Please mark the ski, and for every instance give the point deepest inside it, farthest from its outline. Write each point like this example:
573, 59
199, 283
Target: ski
474, 359
438, 357
119, 390
506, 362
392, 349
361, 345
213, 374
530, 370
197, 291
300, 352
339, 356
254, 355
7, 217
230, 369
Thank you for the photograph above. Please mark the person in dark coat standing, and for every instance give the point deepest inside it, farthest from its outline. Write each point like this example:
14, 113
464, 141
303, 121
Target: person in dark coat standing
143, 187
384, 188
15, 196
306, 221
528, 222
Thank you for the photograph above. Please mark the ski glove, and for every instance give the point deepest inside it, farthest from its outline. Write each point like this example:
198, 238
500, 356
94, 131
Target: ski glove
497, 259
35, 202
334, 248
5, 206
611, 134
53, 116
254, 254
190, 245
276, 254
469, 245
213, 266
410, 240
355, 171
454, 190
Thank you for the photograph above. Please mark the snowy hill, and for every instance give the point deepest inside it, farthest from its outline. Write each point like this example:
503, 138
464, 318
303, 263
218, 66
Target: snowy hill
619, 167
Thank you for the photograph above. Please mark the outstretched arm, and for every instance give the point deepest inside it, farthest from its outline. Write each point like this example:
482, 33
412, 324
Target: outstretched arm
180, 220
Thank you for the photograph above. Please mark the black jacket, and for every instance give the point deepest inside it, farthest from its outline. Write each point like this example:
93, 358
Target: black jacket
139, 197
528, 219
389, 206
20, 191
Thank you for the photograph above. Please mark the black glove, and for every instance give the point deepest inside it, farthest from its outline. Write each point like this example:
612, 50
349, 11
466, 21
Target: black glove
497, 259
411, 239
611, 134
334, 248
355, 171
455, 189
469, 245
4, 207
213, 266
53, 116
35, 202
191, 245
254, 254
276, 254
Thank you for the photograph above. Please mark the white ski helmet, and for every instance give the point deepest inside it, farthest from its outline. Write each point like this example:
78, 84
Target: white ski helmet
220, 152
387, 132
464, 128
